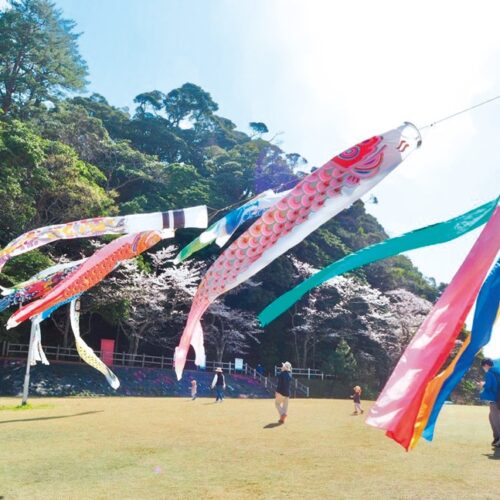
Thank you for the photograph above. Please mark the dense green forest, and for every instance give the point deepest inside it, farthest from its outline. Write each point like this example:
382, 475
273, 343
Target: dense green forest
66, 154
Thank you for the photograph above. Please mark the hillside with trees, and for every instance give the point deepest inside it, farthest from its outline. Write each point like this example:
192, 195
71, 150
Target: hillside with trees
66, 154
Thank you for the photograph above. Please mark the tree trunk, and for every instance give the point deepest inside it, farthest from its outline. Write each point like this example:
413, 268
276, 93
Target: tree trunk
134, 345
219, 352
117, 338
6, 103
304, 357
67, 325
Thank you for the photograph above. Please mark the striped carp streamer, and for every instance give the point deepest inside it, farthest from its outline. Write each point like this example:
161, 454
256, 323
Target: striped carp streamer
312, 202
92, 271
222, 230
98, 226
422, 237
396, 409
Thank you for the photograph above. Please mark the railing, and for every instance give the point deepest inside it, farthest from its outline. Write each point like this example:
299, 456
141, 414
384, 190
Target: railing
305, 372
59, 353
271, 385
70, 354
267, 382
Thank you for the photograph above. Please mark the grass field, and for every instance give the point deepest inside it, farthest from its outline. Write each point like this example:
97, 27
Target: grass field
174, 448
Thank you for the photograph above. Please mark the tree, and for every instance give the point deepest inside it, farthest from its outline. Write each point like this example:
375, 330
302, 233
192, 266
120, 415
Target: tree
309, 322
188, 102
39, 58
259, 128
151, 304
273, 170
43, 182
149, 101
342, 361
229, 330
115, 120
409, 311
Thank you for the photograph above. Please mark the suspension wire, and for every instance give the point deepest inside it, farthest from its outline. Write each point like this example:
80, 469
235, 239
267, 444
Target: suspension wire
460, 112
216, 211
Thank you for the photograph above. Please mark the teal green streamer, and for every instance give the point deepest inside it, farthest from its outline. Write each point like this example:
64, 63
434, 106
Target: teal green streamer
430, 235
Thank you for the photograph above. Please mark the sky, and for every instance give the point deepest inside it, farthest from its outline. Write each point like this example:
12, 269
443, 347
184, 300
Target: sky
327, 74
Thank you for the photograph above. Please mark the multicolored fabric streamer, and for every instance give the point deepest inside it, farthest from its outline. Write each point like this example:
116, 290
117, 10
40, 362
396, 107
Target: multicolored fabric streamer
98, 226
92, 271
424, 236
36, 289
222, 230
313, 201
48, 312
440, 388
397, 407
85, 352
41, 275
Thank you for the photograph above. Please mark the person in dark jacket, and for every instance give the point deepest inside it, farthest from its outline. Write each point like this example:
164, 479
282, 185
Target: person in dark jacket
219, 382
283, 391
491, 393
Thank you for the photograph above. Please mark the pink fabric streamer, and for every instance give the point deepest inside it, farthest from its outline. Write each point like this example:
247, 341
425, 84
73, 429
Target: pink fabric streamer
397, 406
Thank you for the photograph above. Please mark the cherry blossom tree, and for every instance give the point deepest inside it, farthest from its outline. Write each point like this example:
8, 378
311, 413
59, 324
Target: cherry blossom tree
377, 326
149, 305
229, 330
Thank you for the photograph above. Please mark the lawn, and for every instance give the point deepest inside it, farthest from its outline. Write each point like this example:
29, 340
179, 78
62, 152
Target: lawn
175, 448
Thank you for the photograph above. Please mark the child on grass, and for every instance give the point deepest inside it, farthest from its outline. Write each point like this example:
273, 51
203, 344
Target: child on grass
356, 397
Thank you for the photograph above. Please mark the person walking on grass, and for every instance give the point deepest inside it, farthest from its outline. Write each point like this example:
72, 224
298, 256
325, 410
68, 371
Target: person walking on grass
356, 397
194, 389
283, 391
219, 382
491, 393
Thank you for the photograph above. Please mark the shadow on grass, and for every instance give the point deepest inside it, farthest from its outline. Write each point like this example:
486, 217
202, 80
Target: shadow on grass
493, 456
49, 418
272, 425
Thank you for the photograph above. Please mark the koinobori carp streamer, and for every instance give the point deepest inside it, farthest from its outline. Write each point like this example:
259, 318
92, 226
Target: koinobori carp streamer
98, 226
313, 201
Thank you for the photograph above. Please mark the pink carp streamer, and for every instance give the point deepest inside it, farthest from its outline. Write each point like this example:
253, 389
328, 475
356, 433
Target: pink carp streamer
91, 272
98, 226
396, 409
315, 200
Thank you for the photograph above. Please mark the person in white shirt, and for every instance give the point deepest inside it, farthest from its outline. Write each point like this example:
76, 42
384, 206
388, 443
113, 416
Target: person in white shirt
194, 389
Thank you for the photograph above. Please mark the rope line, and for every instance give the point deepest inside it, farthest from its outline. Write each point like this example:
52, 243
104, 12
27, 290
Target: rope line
460, 112
216, 211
